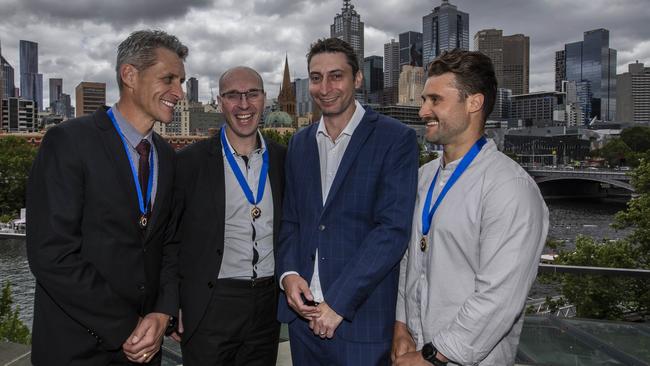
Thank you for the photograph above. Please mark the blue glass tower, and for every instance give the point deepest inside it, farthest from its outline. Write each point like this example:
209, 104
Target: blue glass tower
31, 82
592, 60
446, 28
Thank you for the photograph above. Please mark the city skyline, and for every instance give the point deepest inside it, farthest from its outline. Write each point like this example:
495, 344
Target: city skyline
78, 40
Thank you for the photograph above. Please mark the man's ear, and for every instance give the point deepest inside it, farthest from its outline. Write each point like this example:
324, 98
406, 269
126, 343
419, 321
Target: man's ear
129, 75
475, 103
358, 80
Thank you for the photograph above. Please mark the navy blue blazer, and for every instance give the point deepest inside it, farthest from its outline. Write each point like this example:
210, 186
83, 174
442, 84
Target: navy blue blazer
362, 230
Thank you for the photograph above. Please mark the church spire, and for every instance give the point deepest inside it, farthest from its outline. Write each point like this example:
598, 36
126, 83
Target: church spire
287, 96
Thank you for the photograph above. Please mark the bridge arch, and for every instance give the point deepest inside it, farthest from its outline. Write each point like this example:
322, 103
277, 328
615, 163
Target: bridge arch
613, 182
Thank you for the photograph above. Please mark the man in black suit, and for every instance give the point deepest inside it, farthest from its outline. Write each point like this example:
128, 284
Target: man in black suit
99, 202
230, 216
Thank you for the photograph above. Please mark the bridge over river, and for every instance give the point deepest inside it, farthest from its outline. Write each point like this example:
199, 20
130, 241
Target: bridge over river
584, 182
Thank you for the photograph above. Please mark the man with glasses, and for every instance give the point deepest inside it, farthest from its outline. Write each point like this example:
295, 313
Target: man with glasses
229, 196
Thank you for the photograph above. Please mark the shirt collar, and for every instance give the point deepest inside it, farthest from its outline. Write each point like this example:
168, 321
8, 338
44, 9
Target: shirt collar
359, 112
130, 133
259, 150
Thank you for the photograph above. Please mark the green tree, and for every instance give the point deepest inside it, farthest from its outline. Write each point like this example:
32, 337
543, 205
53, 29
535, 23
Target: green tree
614, 297
12, 328
280, 138
637, 138
616, 152
16, 156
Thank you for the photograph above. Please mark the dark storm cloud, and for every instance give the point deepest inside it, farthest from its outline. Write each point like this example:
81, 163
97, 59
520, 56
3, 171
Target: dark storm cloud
117, 12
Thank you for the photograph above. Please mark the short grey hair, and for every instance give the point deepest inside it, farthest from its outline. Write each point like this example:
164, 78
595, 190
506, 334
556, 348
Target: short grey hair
139, 50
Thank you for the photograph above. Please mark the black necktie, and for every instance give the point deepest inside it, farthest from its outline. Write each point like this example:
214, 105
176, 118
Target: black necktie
143, 149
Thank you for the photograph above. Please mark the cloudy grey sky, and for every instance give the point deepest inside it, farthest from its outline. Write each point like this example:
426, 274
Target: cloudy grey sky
78, 38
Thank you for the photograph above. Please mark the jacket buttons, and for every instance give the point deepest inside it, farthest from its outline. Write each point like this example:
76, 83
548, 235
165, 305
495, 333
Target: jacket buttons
321, 227
219, 251
210, 284
141, 287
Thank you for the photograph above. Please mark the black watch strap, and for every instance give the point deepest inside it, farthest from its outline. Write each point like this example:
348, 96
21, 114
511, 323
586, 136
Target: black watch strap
171, 326
429, 353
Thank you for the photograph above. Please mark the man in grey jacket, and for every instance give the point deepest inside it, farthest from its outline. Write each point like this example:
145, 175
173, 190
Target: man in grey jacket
479, 226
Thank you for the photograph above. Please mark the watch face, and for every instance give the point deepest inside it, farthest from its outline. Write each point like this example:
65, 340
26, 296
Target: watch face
427, 351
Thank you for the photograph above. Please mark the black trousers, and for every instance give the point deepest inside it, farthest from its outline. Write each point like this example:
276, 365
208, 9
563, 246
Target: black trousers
240, 327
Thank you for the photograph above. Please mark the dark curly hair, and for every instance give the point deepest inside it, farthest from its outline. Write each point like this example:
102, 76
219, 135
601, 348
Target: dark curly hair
331, 45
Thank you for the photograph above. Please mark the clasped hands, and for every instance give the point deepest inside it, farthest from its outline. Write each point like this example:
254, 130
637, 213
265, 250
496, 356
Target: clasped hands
323, 320
145, 340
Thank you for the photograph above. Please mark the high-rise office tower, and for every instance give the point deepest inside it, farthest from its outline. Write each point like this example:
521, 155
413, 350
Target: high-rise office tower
633, 94
373, 78
516, 63
304, 103
410, 49
89, 96
192, 93
510, 56
391, 72
445, 28
411, 83
8, 74
592, 60
287, 95
560, 70
18, 115
31, 82
56, 90
349, 27
2, 84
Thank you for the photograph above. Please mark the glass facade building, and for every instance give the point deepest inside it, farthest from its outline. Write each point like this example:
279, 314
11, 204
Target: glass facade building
446, 28
592, 60
31, 82
192, 89
410, 49
373, 78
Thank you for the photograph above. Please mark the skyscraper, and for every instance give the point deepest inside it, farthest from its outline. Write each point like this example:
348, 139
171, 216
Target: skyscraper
516, 63
373, 78
410, 48
445, 28
8, 73
633, 94
56, 90
304, 103
89, 96
560, 70
510, 56
391, 72
2, 84
349, 27
592, 60
287, 95
192, 87
31, 82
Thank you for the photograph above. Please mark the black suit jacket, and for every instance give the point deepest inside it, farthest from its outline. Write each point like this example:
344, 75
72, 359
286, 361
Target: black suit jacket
96, 270
199, 193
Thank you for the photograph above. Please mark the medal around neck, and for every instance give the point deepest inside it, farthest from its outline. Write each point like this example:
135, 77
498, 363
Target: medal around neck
256, 212
427, 215
144, 201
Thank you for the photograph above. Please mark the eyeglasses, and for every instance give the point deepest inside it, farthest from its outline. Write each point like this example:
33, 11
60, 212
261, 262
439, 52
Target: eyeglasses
252, 95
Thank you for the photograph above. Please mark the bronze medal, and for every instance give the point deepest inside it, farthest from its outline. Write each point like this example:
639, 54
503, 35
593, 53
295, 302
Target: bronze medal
143, 222
256, 212
423, 243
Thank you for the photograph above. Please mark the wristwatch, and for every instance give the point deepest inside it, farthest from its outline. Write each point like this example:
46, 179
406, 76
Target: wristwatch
171, 326
429, 353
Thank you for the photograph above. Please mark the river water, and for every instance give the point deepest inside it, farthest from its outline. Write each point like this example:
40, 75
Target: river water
568, 218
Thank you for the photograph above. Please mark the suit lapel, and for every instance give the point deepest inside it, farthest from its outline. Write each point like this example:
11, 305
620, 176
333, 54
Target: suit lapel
275, 179
312, 163
117, 156
217, 184
357, 140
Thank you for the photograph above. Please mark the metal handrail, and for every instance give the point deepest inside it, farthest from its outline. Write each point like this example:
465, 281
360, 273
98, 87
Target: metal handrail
600, 271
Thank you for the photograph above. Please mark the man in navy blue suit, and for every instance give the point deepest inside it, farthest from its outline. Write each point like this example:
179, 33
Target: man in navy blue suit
351, 181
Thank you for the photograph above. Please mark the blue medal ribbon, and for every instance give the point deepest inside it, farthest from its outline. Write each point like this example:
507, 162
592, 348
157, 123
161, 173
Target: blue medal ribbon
240, 176
427, 214
143, 205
